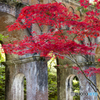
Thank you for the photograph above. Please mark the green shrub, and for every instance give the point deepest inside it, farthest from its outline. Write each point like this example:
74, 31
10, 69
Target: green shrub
52, 85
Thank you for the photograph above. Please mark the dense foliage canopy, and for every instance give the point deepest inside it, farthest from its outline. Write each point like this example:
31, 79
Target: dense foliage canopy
56, 40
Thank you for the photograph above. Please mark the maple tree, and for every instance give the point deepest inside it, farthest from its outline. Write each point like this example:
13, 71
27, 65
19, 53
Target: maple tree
56, 16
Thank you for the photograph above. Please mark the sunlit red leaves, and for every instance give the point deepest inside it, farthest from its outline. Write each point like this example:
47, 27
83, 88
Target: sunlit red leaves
84, 3
87, 3
44, 14
75, 67
98, 4
98, 60
56, 15
44, 44
92, 71
89, 72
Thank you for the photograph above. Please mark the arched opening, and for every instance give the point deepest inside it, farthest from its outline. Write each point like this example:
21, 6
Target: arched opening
52, 79
76, 88
25, 90
2, 82
18, 89
2, 74
5, 20
72, 88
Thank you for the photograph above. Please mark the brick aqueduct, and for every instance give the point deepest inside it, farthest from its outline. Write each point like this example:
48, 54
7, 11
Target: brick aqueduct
35, 71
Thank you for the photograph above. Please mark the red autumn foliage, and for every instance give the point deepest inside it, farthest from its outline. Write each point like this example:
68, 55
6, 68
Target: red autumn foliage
98, 60
56, 16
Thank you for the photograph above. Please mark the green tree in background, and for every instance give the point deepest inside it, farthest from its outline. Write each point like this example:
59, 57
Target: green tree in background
52, 79
2, 82
2, 71
76, 88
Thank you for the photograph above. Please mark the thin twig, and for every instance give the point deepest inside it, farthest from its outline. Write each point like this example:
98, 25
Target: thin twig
94, 89
75, 61
85, 75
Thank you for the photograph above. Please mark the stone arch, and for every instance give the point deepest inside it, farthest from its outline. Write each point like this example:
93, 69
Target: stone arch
5, 20
69, 86
12, 10
18, 66
36, 76
71, 9
18, 87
